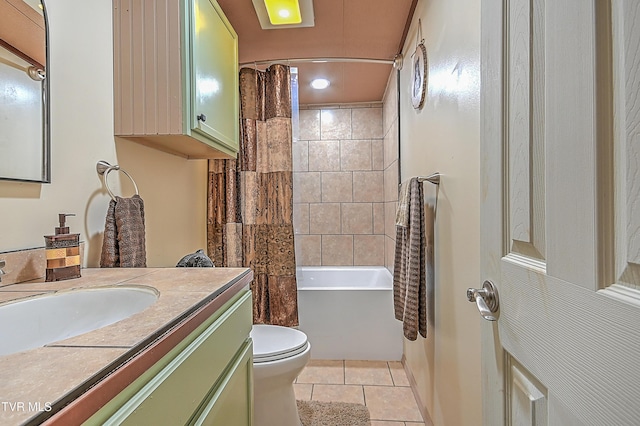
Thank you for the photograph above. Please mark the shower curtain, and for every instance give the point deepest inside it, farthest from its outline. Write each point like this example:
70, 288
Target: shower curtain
250, 200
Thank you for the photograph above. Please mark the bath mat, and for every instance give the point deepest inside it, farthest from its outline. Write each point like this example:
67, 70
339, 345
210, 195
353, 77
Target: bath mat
315, 413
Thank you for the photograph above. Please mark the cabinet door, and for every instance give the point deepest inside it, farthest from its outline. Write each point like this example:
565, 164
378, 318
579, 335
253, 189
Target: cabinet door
175, 387
231, 402
214, 75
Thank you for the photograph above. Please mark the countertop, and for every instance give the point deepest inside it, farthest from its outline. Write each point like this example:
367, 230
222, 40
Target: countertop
34, 380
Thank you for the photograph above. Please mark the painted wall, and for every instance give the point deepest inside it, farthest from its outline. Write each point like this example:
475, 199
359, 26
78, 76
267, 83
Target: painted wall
81, 78
445, 137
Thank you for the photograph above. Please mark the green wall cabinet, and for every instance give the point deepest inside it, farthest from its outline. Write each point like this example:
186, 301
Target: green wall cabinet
176, 77
204, 380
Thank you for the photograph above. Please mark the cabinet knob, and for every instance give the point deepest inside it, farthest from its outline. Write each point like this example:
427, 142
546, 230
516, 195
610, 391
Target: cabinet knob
202, 117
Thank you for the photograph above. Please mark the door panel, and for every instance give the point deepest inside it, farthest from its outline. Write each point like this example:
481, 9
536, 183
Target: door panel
561, 211
627, 131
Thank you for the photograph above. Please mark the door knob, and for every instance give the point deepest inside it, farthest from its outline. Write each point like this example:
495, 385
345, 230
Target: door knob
486, 299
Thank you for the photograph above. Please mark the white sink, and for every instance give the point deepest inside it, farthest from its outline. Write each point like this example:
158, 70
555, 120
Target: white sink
36, 321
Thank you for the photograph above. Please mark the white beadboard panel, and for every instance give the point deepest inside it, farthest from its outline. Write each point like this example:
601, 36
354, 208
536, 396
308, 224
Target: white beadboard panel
155, 106
570, 171
627, 140
525, 112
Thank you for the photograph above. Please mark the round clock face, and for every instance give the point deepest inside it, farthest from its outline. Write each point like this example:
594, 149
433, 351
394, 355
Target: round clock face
419, 84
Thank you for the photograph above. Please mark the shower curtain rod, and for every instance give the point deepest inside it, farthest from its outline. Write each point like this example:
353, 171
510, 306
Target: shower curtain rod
328, 59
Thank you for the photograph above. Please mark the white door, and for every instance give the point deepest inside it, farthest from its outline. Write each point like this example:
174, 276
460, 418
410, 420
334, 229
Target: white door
561, 211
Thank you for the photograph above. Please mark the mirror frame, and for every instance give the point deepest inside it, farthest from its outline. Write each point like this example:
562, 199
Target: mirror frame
46, 113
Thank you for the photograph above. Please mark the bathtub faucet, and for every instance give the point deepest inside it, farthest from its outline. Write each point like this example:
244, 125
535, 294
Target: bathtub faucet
2, 264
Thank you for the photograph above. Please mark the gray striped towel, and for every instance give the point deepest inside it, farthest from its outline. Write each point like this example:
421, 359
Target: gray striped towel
409, 278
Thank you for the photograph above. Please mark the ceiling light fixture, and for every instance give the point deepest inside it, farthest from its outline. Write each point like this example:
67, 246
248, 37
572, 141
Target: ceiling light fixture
284, 13
320, 83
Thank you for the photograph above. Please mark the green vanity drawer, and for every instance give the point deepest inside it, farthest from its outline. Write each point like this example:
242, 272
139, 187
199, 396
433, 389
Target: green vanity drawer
176, 386
230, 403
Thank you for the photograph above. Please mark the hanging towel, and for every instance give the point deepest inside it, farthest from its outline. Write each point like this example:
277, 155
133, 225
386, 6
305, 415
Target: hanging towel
402, 212
409, 278
123, 244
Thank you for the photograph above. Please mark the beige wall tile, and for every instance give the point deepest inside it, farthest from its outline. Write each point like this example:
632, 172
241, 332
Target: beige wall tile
337, 187
390, 219
357, 218
310, 124
335, 124
301, 218
391, 145
367, 373
366, 123
378, 218
306, 187
323, 372
390, 105
377, 154
389, 253
338, 393
337, 250
385, 423
324, 218
391, 403
368, 250
324, 156
391, 187
308, 250
301, 156
355, 155
368, 186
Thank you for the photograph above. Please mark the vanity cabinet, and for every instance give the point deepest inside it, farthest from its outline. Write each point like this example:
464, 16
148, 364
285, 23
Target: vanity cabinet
205, 380
176, 77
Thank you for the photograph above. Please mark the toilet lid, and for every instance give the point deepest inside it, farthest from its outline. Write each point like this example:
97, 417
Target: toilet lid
273, 342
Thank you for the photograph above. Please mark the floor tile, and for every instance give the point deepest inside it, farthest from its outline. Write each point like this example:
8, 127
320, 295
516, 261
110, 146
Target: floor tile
338, 393
413, 424
303, 391
398, 374
385, 423
323, 372
391, 403
367, 373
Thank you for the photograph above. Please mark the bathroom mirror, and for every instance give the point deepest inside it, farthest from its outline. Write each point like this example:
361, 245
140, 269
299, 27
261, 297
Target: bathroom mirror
24, 92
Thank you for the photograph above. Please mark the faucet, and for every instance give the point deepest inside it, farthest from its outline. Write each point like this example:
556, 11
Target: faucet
2, 264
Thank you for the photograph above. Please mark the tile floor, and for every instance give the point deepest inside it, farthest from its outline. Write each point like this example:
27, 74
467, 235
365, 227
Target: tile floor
381, 386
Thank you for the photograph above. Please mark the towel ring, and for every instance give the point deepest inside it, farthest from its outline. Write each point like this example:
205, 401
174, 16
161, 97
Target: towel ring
103, 168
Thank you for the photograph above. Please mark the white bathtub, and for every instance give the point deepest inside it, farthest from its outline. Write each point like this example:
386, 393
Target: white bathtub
347, 312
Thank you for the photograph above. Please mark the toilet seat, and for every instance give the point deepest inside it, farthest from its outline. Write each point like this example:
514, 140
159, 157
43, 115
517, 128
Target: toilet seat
273, 342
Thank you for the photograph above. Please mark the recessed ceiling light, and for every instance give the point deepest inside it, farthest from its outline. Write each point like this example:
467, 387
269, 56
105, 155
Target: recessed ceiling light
320, 83
284, 13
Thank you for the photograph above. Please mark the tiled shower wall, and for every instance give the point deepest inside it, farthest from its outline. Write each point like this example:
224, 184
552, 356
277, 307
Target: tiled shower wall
339, 191
391, 166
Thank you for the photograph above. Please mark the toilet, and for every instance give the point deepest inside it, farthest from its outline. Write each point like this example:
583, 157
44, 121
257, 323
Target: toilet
279, 355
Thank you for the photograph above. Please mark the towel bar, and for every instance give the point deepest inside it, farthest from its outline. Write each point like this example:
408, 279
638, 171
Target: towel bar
433, 178
103, 168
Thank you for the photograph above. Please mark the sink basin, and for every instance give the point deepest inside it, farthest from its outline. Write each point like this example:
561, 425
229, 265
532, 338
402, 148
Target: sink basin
36, 321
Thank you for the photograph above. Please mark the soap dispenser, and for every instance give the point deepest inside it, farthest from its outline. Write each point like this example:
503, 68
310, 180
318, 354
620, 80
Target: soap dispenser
62, 252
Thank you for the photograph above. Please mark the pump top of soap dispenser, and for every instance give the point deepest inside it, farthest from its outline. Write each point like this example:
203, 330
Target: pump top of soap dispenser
63, 229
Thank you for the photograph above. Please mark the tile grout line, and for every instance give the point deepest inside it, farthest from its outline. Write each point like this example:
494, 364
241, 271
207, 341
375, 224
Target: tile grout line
391, 374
